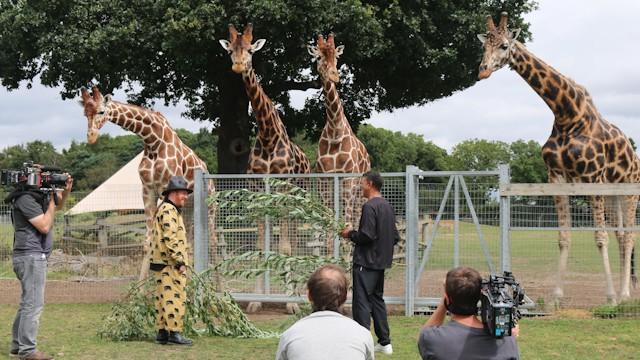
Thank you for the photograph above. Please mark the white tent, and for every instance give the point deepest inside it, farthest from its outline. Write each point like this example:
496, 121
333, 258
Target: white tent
122, 191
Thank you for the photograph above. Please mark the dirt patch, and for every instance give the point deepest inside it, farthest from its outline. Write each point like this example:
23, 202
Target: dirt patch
69, 292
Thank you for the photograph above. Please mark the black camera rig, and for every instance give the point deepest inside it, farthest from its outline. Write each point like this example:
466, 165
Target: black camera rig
35, 177
501, 296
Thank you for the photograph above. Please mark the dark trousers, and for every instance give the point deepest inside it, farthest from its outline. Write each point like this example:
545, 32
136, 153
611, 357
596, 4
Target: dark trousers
368, 285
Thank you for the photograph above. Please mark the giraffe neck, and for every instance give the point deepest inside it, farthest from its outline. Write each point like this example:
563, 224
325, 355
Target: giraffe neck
336, 120
566, 99
270, 127
148, 125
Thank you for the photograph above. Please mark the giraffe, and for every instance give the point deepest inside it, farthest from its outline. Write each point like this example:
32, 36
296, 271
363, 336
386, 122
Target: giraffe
165, 155
583, 148
273, 151
339, 150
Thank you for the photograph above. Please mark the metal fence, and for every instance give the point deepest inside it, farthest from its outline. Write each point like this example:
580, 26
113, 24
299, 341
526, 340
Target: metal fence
535, 232
446, 219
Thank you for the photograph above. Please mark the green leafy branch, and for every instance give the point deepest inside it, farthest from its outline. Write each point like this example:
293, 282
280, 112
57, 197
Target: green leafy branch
284, 201
206, 313
292, 271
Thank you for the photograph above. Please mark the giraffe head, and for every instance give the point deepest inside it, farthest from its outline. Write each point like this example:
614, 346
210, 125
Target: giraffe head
240, 48
499, 43
327, 54
95, 108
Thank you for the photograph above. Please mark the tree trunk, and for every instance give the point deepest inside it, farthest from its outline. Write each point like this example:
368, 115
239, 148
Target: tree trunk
234, 129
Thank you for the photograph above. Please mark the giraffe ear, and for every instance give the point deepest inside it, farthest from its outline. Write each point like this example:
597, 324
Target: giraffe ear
313, 51
107, 99
339, 50
482, 37
515, 33
225, 44
258, 45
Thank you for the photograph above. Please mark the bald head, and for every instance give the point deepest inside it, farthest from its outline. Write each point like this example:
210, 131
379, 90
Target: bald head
327, 288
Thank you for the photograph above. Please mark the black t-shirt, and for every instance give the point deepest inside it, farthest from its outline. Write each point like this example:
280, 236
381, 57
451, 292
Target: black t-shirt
28, 240
376, 235
457, 341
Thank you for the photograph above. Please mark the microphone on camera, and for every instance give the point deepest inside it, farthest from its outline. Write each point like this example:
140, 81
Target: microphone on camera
50, 168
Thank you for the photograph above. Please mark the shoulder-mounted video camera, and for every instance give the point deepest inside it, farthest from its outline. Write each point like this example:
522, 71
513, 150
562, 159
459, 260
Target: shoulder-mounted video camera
501, 296
34, 177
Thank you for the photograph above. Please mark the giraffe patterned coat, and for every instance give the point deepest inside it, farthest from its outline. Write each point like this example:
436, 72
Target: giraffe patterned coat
169, 251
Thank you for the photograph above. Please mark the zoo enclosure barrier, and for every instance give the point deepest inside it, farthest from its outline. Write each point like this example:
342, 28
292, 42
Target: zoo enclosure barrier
447, 219
442, 218
97, 254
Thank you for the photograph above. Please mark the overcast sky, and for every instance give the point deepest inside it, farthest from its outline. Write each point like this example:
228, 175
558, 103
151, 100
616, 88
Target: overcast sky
592, 41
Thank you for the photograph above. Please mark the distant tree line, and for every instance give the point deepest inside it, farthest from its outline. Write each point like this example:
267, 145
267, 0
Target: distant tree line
390, 151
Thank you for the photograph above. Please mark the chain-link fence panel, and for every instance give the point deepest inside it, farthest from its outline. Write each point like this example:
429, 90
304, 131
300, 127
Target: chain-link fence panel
458, 225
575, 257
95, 254
338, 192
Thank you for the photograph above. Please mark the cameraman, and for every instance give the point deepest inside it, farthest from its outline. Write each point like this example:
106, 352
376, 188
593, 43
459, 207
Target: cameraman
464, 337
32, 214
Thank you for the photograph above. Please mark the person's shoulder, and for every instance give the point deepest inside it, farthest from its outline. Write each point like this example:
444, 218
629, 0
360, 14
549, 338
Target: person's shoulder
438, 331
166, 206
26, 200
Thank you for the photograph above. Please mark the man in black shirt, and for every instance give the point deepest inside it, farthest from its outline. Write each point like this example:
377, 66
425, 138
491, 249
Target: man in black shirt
373, 253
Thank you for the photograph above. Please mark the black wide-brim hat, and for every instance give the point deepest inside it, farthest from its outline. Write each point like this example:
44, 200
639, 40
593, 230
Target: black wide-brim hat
177, 183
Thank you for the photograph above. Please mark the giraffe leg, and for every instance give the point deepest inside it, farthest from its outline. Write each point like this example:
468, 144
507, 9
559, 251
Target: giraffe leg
256, 306
564, 242
630, 203
326, 196
284, 247
150, 200
602, 242
350, 189
614, 213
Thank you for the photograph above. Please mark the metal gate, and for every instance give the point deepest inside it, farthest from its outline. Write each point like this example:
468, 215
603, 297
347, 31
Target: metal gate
433, 208
453, 218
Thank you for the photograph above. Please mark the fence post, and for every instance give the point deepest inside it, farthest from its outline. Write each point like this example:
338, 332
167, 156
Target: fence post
336, 210
456, 221
267, 240
200, 221
505, 219
411, 214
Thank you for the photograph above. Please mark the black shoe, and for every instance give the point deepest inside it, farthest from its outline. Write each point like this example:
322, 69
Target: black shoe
162, 337
177, 339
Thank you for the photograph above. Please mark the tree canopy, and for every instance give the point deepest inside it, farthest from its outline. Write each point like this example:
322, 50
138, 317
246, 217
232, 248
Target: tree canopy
398, 53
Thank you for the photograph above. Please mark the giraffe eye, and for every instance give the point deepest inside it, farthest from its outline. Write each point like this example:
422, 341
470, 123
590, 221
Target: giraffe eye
504, 46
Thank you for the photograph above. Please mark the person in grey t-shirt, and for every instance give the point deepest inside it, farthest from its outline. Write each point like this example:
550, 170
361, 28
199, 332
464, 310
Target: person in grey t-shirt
464, 337
32, 214
326, 334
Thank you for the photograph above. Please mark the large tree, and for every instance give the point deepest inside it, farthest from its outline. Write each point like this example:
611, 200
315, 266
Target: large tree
398, 53
392, 151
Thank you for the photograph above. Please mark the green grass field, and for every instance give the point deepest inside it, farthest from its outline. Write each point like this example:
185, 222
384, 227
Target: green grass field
69, 332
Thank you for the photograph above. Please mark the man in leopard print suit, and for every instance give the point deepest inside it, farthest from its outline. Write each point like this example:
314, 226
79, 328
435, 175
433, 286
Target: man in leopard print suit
169, 262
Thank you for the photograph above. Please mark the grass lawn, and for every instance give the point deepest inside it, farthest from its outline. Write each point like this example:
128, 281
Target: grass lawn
69, 332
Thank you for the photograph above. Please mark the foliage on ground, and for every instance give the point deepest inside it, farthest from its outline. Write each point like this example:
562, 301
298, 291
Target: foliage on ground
206, 313
630, 308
